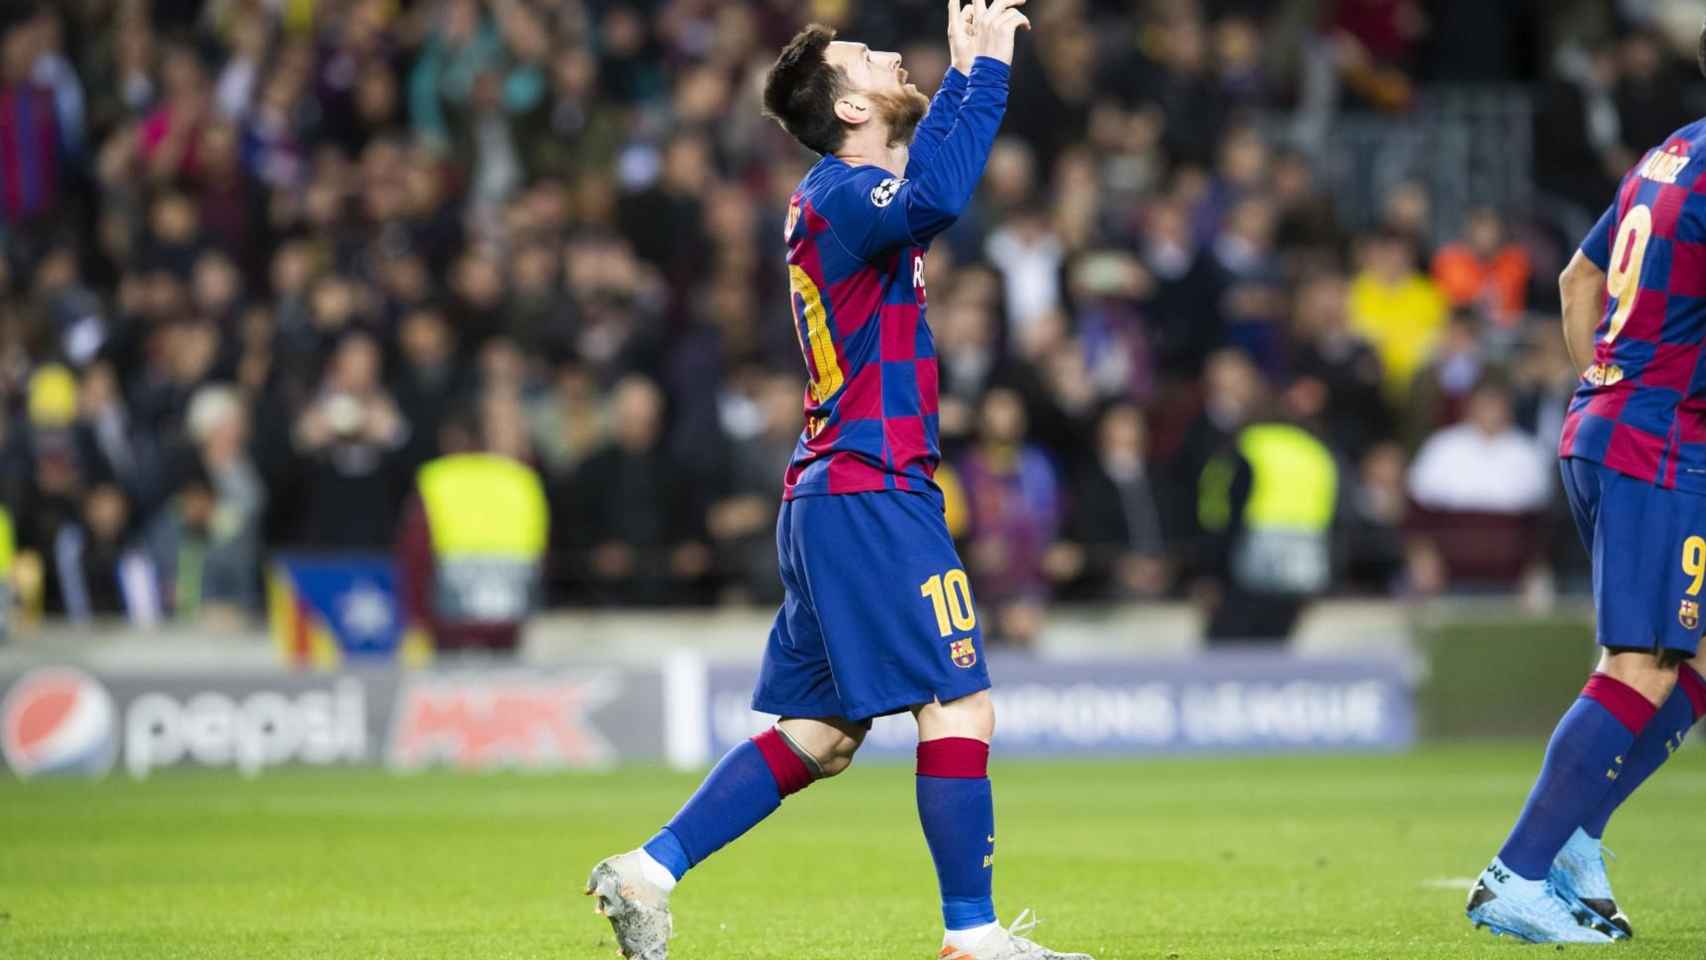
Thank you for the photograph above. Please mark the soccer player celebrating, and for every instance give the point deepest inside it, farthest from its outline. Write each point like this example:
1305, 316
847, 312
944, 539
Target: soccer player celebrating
1634, 463
878, 616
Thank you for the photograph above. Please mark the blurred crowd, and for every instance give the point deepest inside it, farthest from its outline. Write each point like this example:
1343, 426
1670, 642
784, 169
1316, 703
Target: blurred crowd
259, 254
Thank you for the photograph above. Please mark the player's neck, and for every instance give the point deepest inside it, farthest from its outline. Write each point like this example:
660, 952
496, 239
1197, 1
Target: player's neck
864, 149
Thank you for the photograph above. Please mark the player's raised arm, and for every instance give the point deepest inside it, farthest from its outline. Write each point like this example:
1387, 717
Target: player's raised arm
916, 209
945, 106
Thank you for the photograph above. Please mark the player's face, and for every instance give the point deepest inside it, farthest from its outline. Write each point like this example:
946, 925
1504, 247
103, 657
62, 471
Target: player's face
880, 80
870, 71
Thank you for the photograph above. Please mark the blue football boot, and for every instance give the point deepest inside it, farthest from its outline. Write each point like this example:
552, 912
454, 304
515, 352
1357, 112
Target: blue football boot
1527, 909
1579, 876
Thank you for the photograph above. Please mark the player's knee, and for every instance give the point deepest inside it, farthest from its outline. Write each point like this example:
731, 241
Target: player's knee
1651, 675
839, 754
827, 745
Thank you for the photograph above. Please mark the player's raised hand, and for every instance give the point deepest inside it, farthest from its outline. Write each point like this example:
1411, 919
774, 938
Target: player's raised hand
995, 26
962, 44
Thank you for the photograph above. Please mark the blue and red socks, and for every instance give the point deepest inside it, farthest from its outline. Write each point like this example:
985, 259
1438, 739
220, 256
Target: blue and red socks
1583, 761
1661, 737
957, 810
746, 786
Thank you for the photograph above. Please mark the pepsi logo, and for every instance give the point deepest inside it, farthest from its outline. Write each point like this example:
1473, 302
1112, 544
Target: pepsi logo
57, 720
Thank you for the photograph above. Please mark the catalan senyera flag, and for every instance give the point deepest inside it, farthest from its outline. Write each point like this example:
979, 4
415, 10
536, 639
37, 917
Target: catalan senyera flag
325, 610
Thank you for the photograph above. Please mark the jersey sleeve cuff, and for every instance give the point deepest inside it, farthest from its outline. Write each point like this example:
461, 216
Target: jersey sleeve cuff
988, 70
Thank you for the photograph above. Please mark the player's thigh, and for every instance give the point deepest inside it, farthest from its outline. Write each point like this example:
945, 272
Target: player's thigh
795, 678
1583, 481
895, 604
1649, 558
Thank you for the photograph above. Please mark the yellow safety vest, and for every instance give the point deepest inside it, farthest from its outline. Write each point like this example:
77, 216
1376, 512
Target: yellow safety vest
489, 522
1295, 481
7, 545
1285, 546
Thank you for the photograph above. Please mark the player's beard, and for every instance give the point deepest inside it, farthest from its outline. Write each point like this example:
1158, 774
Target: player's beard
902, 112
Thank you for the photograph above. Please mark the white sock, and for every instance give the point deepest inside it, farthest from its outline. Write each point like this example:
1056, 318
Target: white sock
1514, 881
654, 871
968, 938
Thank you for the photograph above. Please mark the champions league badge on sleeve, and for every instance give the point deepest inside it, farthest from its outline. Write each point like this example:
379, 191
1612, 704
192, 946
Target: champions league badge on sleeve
884, 193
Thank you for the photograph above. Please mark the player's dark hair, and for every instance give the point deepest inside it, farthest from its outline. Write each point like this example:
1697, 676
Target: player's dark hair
1700, 51
801, 89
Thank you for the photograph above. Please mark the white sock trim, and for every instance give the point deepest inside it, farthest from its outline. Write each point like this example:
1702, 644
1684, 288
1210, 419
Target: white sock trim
655, 872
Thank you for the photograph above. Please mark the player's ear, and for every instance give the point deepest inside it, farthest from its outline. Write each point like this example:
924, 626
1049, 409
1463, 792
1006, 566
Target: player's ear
853, 110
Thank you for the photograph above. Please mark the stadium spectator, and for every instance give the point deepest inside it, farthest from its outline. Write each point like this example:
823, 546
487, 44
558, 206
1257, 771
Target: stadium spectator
1267, 503
101, 571
1485, 270
635, 511
1577, 118
1480, 489
1029, 256
1375, 44
763, 429
568, 423
31, 138
1185, 310
1396, 306
1234, 391
1440, 393
1112, 546
351, 434
1373, 538
1483, 464
471, 585
108, 441
1328, 352
206, 547
431, 380
1649, 91
169, 138
1016, 505
1255, 300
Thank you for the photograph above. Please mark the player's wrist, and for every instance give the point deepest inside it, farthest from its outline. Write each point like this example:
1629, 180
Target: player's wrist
987, 68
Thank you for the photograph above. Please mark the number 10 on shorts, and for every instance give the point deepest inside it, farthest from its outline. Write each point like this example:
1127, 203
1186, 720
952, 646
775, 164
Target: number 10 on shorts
950, 595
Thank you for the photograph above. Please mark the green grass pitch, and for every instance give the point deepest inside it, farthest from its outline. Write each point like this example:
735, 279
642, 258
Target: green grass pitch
1173, 860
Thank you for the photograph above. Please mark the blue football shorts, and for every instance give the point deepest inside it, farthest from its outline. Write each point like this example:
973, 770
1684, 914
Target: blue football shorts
1648, 546
877, 614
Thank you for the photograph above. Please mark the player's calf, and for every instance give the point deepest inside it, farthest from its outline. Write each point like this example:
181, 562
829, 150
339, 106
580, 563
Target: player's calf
956, 808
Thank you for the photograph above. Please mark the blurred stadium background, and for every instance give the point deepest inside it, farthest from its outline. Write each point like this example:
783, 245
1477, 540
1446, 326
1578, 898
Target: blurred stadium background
1251, 377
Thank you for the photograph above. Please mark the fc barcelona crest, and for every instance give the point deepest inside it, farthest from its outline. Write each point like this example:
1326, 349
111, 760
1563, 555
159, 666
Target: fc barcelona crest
1689, 614
963, 653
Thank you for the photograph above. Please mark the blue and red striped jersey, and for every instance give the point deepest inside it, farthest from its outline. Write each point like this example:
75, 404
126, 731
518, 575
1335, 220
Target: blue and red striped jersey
856, 238
1641, 407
